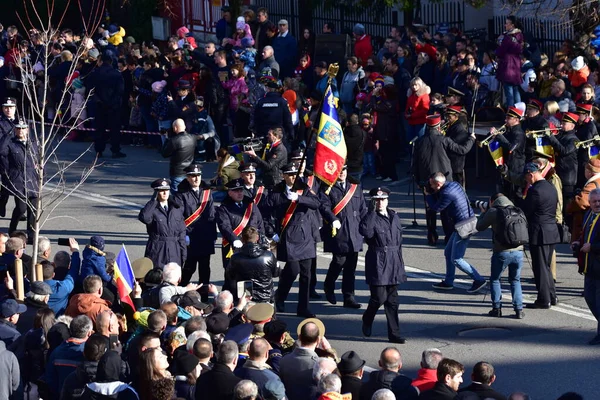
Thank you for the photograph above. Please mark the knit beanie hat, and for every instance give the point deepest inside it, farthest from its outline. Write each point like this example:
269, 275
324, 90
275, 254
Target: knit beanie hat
158, 86
246, 42
240, 25
359, 29
577, 63
97, 242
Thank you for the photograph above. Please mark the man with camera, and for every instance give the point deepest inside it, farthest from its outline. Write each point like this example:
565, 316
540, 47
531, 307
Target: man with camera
452, 197
587, 249
273, 159
504, 253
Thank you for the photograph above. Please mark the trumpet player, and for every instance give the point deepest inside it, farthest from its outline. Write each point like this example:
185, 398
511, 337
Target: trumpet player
566, 160
513, 146
456, 129
586, 130
534, 121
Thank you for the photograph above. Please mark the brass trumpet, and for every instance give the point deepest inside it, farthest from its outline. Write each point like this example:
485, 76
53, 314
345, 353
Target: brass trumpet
488, 139
538, 133
586, 144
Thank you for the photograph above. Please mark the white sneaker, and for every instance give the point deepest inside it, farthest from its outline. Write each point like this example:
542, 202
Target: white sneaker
387, 180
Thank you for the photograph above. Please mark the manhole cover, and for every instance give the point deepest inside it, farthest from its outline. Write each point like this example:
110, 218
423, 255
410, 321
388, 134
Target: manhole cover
484, 333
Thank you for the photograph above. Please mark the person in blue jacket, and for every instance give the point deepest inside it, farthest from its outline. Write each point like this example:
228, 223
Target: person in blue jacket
286, 49
94, 260
61, 289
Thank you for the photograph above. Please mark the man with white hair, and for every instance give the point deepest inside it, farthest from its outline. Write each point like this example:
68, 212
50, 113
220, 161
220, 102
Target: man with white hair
427, 375
193, 337
383, 394
44, 248
322, 368
171, 278
329, 384
245, 390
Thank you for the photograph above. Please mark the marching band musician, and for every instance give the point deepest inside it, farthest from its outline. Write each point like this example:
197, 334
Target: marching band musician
233, 215
457, 130
586, 130
431, 155
292, 204
566, 159
534, 121
342, 208
199, 215
513, 146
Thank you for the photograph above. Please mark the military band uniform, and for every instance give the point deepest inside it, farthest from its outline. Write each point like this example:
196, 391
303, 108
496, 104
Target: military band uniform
586, 130
460, 135
513, 147
347, 241
384, 266
202, 233
566, 161
229, 216
296, 246
532, 124
166, 230
18, 165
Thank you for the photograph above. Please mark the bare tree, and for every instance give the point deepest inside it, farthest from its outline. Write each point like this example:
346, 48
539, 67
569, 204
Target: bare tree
50, 111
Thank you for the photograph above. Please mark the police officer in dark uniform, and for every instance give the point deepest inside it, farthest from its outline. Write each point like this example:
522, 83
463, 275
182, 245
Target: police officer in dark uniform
271, 111
292, 203
273, 159
342, 209
8, 120
234, 214
534, 121
199, 213
586, 130
566, 159
384, 265
165, 225
307, 176
18, 165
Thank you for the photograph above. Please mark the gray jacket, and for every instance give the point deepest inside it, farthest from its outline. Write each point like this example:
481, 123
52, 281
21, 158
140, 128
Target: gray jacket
295, 371
9, 369
488, 219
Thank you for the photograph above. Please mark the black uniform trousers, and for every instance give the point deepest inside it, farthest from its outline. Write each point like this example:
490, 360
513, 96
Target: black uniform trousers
203, 263
287, 278
541, 256
388, 296
313, 274
342, 262
107, 118
388, 159
21, 208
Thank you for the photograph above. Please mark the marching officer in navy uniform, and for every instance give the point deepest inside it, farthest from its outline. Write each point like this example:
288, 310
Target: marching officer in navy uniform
165, 225
234, 214
20, 178
253, 190
199, 213
342, 209
307, 176
8, 120
273, 159
292, 204
384, 265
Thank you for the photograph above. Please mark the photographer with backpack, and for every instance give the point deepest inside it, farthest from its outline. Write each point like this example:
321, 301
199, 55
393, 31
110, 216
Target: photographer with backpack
509, 233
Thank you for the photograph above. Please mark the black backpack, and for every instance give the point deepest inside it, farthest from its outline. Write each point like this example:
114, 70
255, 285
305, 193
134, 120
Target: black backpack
511, 228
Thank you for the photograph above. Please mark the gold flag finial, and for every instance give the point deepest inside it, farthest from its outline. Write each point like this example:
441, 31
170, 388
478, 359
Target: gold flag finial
333, 69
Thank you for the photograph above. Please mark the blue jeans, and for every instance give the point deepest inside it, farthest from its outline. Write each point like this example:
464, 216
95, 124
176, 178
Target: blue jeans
414, 131
591, 293
454, 253
175, 181
500, 261
512, 94
369, 163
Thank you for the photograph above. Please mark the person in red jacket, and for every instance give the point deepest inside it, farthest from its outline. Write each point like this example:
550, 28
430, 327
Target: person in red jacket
417, 107
362, 47
427, 375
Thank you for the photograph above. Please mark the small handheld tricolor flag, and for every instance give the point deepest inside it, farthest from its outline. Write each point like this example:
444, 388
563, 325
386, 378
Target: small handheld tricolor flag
496, 152
594, 152
124, 277
237, 151
330, 151
542, 144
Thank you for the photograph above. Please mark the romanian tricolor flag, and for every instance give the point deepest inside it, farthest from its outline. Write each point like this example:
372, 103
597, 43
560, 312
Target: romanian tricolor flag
124, 277
594, 152
542, 144
330, 152
496, 152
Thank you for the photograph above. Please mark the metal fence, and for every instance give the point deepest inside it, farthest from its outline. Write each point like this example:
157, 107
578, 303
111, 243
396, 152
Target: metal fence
549, 34
449, 13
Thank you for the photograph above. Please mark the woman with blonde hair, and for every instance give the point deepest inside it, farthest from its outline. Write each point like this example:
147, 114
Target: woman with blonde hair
550, 114
417, 107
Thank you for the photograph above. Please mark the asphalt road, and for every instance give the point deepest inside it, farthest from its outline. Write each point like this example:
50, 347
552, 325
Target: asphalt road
545, 354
